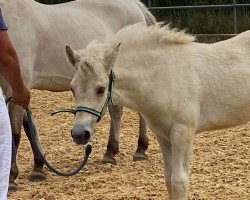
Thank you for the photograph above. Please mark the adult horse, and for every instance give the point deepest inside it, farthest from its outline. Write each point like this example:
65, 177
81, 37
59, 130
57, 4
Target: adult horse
179, 86
39, 33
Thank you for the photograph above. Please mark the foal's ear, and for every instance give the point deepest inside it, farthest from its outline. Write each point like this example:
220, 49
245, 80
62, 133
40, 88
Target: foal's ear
110, 57
72, 55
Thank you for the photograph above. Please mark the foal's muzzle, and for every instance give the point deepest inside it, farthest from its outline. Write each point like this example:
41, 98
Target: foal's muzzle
80, 136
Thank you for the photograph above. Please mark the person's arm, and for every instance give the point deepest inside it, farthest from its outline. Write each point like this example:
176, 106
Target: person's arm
10, 70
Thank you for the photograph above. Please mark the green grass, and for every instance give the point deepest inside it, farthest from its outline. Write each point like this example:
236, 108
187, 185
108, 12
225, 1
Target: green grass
210, 21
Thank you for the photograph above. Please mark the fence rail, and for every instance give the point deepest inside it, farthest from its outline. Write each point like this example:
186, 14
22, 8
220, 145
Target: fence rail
234, 5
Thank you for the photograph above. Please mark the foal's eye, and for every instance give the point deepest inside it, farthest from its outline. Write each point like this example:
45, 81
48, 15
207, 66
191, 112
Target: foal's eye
100, 90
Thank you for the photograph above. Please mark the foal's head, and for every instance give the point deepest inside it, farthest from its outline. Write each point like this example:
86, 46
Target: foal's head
90, 86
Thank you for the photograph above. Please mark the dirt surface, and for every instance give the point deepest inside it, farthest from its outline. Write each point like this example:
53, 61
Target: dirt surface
219, 168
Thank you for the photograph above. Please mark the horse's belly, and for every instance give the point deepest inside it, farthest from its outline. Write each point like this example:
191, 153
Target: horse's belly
220, 120
55, 84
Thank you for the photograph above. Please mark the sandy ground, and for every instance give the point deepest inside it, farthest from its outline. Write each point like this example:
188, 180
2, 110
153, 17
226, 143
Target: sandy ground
220, 163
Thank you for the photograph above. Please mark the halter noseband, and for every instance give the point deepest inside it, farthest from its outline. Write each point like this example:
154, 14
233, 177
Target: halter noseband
91, 110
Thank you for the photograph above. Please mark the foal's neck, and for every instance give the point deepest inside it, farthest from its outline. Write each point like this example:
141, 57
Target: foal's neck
131, 79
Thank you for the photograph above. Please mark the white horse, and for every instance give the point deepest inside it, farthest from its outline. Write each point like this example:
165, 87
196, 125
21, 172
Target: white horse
39, 33
179, 86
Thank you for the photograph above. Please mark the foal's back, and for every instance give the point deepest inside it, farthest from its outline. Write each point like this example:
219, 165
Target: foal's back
225, 76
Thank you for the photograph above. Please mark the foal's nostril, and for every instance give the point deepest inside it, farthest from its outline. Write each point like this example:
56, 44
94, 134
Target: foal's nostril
86, 134
80, 135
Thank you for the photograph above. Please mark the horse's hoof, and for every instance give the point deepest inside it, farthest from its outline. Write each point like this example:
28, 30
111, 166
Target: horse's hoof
12, 187
140, 157
37, 176
107, 159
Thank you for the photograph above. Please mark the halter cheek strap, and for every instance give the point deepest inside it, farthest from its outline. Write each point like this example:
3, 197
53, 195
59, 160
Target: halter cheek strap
91, 110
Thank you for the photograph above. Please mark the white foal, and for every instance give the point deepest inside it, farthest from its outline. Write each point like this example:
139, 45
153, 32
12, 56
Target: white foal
179, 86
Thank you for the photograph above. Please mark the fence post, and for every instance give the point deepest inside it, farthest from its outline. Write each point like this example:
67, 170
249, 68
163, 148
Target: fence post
149, 3
235, 17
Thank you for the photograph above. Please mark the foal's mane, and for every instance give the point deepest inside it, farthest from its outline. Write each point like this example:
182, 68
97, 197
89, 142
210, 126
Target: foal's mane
134, 36
158, 34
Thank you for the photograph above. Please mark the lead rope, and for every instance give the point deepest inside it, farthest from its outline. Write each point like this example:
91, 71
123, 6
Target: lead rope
34, 140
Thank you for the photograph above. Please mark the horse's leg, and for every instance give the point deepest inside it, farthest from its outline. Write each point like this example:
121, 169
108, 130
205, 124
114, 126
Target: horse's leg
37, 173
181, 139
114, 134
16, 118
166, 151
142, 142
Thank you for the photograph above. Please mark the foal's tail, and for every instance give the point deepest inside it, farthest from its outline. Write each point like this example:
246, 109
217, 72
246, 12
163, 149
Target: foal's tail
150, 19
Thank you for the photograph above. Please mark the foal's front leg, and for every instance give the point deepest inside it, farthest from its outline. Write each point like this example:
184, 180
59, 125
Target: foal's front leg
166, 151
181, 139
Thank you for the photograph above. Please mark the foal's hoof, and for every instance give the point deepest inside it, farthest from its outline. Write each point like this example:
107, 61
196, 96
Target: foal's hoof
107, 159
37, 176
140, 156
12, 187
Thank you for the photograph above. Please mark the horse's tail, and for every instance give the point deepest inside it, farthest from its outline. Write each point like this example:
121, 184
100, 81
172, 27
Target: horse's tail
150, 19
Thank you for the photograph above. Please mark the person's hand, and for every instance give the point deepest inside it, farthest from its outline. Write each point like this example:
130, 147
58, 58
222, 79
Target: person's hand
21, 97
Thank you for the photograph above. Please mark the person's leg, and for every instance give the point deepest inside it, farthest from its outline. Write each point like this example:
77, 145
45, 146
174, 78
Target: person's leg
5, 148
